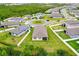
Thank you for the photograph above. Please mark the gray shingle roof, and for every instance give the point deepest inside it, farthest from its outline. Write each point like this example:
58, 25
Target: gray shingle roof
72, 23
19, 30
9, 23
39, 32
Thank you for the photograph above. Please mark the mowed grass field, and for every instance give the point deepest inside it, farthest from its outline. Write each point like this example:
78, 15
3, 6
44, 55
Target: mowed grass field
74, 44
51, 45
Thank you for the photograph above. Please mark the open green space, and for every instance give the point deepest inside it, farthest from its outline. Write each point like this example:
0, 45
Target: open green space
74, 44
63, 35
58, 27
51, 45
38, 22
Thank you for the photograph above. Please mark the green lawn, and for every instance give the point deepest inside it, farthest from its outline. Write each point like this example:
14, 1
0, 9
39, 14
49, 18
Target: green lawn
51, 45
38, 22
7, 39
63, 35
58, 27
74, 44
2, 28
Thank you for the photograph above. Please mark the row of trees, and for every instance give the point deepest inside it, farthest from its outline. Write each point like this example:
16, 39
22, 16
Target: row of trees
29, 50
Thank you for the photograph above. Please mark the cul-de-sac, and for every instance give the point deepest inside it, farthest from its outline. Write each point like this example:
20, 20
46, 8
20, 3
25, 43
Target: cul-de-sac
39, 29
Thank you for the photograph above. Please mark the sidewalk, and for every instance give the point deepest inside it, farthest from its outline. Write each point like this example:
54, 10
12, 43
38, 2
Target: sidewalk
23, 39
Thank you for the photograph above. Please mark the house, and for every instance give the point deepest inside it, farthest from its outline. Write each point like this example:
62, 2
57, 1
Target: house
9, 24
73, 32
15, 19
71, 23
39, 33
28, 17
55, 10
19, 30
39, 15
72, 28
74, 11
56, 15
76, 15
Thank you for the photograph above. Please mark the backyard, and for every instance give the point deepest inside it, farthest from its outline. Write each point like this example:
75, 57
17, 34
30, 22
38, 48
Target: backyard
58, 27
63, 35
7, 39
51, 45
74, 44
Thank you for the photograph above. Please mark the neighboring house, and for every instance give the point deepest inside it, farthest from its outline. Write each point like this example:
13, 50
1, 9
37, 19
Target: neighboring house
77, 15
72, 28
39, 33
15, 19
56, 15
9, 24
19, 30
71, 23
39, 15
74, 11
28, 17
73, 32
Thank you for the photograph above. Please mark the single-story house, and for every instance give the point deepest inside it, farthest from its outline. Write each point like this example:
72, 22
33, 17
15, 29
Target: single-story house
15, 19
76, 15
9, 24
40, 33
19, 30
28, 17
71, 23
74, 11
72, 32
56, 15
39, 15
